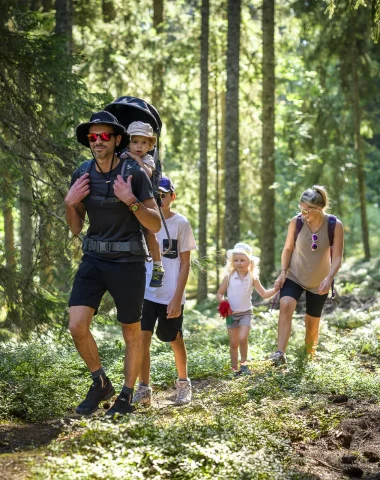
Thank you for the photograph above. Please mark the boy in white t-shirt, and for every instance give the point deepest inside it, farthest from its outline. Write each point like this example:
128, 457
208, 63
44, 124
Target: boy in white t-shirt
164, 305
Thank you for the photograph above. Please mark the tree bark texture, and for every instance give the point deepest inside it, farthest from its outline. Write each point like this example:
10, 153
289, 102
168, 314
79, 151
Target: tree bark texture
355, 93
157, 65
47, 5
9, 239
231, 216
203, 142
64, 21
221, 200
26, 228
267, 235
108, 11
218, 233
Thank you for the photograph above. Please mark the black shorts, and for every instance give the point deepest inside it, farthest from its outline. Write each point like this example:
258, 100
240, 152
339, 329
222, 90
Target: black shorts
314, 302
167, 328
125, 281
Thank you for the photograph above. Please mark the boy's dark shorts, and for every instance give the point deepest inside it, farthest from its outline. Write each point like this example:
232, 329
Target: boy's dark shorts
125, 281
167, 328
314, 302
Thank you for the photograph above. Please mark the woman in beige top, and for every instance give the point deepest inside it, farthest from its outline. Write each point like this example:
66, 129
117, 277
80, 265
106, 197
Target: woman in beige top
307, 264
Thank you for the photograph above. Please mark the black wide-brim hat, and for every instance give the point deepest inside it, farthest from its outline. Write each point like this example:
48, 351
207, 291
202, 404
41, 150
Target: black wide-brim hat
103, 118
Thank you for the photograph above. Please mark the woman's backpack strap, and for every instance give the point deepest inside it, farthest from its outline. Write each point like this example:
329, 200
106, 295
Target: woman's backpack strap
330, 232
331, 229
299, 225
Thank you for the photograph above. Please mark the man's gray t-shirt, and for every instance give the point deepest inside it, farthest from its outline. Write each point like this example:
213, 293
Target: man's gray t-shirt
113, 221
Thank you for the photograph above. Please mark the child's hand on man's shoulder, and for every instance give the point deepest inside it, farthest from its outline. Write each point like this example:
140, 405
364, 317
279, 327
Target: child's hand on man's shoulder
134, 157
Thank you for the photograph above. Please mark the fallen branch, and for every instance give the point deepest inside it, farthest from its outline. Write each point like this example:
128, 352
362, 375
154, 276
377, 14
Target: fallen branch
325, 464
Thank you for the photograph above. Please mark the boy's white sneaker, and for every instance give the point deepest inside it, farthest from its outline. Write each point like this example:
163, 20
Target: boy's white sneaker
143, 395
184, 394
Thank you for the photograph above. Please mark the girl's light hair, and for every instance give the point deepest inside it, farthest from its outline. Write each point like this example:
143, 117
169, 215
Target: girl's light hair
315, 197
253, 266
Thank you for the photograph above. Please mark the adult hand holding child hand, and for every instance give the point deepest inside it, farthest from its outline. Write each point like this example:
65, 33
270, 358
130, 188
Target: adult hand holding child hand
280, 280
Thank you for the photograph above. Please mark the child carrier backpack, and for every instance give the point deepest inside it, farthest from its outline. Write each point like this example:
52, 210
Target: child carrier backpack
330, 232
138, 246
129, 109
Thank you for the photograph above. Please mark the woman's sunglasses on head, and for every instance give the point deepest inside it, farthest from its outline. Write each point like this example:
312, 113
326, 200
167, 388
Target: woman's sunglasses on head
105, 136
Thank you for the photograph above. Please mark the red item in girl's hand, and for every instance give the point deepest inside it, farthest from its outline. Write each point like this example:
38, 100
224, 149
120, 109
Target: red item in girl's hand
224, 309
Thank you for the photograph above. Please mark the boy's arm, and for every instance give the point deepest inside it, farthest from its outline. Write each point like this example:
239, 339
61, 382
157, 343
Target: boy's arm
262, 291
222, 289
174, 307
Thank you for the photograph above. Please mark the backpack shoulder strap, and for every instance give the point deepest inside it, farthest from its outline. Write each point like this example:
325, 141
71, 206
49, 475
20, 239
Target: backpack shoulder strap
330, 232
331, 228
299, 225
128, 168
85, 167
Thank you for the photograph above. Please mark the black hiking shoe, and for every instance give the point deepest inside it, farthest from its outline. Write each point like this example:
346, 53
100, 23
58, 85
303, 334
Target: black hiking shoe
121, 406
245, 370
95, 395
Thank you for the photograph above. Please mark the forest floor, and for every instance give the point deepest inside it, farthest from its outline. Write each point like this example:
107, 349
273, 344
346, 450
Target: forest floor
309, 420
350, 450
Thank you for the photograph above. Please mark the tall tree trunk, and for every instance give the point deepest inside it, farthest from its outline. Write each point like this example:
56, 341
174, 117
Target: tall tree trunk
203, 142
217, 172
223, 160
10, 287
35, 5
231, 215
26, 201
355, 95
63, 26
267, 236
157, 65
64, 21
26, 229
108, 11
9, 239
47, 5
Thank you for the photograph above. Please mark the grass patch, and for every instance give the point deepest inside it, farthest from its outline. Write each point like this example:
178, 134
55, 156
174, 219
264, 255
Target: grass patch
241, 428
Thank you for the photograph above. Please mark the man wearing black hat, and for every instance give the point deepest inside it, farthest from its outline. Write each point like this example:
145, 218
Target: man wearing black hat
114, 252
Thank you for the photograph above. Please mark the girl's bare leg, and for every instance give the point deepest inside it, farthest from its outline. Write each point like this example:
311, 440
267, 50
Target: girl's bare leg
243, 343
233, 333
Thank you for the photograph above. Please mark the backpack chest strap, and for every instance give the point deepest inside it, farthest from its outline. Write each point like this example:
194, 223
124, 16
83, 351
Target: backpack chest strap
104, 199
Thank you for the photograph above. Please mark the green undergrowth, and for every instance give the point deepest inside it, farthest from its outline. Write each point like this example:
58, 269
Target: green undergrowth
241, 428
235, 428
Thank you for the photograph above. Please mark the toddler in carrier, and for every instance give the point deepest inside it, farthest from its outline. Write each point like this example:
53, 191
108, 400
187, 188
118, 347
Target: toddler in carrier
142, 140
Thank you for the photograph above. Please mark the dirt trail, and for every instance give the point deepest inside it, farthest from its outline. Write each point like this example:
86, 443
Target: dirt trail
22, 445
352, 450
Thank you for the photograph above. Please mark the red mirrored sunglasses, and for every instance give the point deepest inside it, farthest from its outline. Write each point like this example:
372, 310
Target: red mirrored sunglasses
105, 136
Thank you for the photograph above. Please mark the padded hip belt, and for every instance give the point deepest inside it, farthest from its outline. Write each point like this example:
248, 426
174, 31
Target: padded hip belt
135, 247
